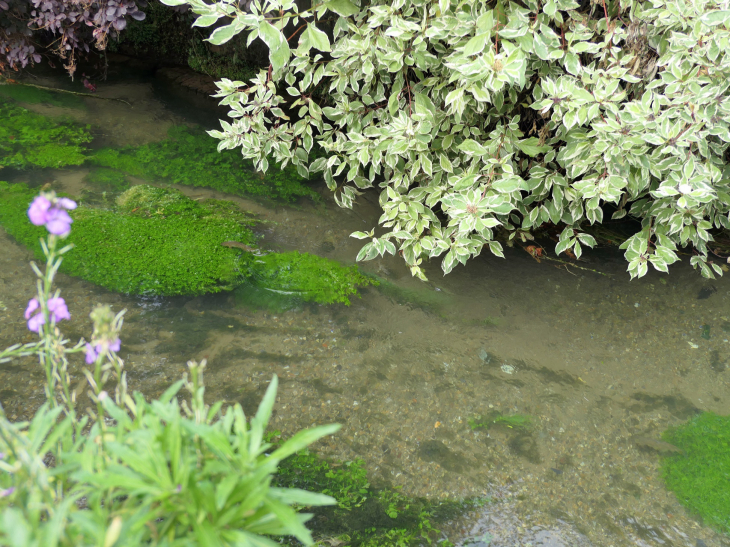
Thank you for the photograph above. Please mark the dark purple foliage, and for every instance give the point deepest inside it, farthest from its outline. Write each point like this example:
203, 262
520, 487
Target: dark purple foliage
71, 24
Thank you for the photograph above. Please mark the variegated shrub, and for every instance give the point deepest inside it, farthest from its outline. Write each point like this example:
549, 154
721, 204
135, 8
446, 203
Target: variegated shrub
484, 119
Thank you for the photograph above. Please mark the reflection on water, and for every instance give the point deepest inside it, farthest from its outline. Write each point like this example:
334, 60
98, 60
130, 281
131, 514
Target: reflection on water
595, 360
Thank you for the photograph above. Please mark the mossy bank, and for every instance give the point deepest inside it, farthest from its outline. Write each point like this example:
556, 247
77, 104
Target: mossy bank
158, 241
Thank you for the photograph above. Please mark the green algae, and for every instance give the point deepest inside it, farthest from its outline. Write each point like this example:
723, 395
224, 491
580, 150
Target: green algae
700, 478
178, 253
30, 140
190, 157
309, 277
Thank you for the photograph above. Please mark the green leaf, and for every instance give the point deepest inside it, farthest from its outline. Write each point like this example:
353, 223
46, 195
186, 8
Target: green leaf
496, 248
572, 63
562, 245
303, 439
279, 57
345, 8
466, 182
541, 48
318, 39
304, 498
476, 44
221, 35
445, 163
263, 414
716, 17
507, 185
393, 103
471, 146
206, 20
223, 489
290, 519
532, 147
279, 52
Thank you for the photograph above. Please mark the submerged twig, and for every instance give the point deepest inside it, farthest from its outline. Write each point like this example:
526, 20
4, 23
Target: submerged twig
56, 90
566, 264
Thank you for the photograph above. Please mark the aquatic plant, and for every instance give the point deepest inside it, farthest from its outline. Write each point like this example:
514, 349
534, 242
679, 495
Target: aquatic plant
365, 515
28, 139
699, 476
188, 156
127, 471
518, 422
311, 277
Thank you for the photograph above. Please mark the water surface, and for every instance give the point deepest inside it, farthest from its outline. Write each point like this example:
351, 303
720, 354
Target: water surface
596, 359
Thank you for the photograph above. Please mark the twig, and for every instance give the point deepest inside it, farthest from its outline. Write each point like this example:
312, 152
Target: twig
566, 264
56, 90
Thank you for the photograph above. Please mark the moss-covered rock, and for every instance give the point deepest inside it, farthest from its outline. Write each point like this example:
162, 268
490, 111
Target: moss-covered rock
191, 157
28, 139
176, 251
700, 477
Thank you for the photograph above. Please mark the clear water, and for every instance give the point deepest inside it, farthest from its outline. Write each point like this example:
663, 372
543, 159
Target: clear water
596, 359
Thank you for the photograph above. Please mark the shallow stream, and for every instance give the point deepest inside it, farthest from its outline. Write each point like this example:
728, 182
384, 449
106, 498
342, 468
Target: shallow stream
598, 360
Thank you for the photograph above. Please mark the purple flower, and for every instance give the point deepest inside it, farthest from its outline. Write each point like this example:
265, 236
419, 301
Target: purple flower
92, 352
35, 322
7, 492
33, 305
38, 211
52, 214
56, 307
59, 223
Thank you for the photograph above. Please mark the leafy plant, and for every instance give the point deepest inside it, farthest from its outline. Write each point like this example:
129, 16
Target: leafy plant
699, 476
31, 140
484, 119
173, 471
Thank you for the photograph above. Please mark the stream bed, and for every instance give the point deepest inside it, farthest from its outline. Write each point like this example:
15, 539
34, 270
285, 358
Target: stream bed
597, 360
